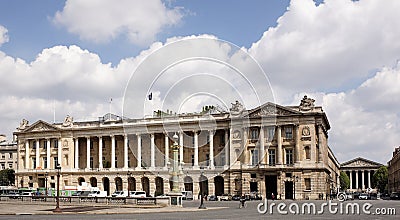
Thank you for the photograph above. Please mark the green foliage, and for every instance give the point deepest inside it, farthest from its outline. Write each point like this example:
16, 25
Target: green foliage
344, 181
7, 177
380, 179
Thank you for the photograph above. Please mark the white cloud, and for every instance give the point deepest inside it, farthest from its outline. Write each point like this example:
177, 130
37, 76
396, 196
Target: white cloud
104, 20
3, 35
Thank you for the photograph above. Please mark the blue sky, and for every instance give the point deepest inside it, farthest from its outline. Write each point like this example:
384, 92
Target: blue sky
71, 57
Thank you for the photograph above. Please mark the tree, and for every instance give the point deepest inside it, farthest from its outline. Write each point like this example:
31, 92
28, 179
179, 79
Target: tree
344, 181
7, 177
380, 179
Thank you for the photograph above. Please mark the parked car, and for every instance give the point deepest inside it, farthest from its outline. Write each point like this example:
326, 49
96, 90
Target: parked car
138, 194
27, 194
236, 197
212, 198
349, 196
119, 194
13, 195
97, 193
363, 196
395, 196
77, 193
225, 197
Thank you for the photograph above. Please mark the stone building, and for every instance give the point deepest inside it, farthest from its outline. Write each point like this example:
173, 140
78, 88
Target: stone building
8, 154
394, 171
269, 149
360, 172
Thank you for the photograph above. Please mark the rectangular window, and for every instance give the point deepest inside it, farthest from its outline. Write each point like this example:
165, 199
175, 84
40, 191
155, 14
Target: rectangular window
254, 134
45, 144
55, 143
45, 162
289, 156
271, 133
10, 165
55, 162
288, 132
307, 182
254, 157
33, 162
271, 157
307, 152
91, 162
34, 145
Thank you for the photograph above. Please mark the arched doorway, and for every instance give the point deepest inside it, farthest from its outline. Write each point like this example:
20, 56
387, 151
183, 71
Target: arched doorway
106, 185
118, 184
131, 184
159, 186
81, 180
146, 185
219, 185
188, 183
93, 181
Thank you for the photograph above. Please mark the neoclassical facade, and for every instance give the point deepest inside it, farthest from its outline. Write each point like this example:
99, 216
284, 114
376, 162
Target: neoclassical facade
269, 149
8, 154
360, 172
394, 171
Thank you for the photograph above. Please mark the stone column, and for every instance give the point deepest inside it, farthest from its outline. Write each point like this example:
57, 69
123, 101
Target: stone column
196, 149
48, 153
362, 180
139, 152
100, 152
357, 179
279, 150
369, 178
125, 151
112, 151
27, 152
262, 147
76, 153
227, 148
297, 146
59, 151
351, 179
87, 152
37, 153
181, 148
166, 144
211, 144
152, 151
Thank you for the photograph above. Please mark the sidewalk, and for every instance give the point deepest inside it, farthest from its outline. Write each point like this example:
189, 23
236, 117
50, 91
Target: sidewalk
47, 209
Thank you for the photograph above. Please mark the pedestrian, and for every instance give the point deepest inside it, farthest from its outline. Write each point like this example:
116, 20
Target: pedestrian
273, 197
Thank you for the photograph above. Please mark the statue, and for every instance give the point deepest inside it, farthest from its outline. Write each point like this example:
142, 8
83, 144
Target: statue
68, 121
237, 107
306, 104
24, 123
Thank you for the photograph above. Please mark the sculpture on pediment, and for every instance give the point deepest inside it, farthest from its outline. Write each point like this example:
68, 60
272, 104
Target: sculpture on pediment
68, 121
236, 108
40, 127
24, 123
270, 110
306, 104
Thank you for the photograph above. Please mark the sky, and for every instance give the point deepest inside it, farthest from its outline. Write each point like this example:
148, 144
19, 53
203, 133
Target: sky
72, 57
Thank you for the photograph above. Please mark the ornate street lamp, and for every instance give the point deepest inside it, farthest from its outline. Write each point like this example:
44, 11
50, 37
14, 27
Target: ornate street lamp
57, 209
129, 182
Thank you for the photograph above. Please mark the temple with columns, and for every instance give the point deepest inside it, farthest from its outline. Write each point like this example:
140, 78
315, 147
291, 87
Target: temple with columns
268, 149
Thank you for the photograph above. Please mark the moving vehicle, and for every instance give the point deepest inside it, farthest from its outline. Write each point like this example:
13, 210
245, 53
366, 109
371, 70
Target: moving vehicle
187, 195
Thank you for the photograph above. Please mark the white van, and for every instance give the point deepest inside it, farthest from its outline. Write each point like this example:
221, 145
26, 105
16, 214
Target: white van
187, 195
120, 194
137, 194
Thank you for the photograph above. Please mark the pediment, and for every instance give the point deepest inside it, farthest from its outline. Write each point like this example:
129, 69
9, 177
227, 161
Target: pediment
271, 109
361, 162
41, 126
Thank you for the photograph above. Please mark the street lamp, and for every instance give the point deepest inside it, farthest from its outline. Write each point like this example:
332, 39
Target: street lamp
57, 209
45, 180
129, 182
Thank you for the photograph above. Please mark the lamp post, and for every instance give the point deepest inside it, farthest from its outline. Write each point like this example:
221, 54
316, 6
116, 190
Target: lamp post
57, 209
129, 182
175, 148
45, 181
